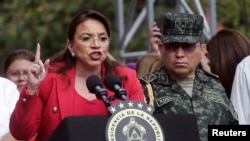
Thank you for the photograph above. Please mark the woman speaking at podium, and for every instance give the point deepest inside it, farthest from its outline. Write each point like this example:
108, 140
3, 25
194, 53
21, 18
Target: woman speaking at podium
57, 88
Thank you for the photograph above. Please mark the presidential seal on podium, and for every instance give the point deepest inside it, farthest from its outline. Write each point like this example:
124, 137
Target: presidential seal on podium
133, 121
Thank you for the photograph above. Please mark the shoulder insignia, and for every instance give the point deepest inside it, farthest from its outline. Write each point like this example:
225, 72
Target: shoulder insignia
147, 78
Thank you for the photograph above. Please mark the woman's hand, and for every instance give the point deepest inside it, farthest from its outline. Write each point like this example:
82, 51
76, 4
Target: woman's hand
37, 72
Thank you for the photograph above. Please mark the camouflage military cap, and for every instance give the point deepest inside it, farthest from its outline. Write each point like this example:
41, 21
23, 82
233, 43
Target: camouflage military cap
182, 27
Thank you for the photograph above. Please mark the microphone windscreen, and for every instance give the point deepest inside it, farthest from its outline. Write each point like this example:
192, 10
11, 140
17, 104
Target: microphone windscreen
110, 80
93, 81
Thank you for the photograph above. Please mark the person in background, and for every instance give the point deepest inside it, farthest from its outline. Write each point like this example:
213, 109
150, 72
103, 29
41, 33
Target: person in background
15, 69
240, 95
148, 63
57, 88
180, 87
15, 66
8, 97
155, 38
205, 63
225, 50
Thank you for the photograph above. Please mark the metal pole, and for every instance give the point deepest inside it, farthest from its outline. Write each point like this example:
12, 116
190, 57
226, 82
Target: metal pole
213, 17
120, 23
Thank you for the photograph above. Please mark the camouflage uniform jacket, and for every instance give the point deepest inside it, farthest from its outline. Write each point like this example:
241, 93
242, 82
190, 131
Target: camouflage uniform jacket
208, 103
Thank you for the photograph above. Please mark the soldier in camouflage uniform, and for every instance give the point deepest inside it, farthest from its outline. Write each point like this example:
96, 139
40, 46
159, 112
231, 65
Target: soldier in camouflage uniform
180, 87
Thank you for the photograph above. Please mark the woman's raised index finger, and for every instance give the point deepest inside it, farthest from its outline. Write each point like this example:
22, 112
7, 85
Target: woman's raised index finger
38, 52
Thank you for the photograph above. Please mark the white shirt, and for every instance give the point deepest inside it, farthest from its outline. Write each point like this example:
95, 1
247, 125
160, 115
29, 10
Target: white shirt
240, 95
8, 97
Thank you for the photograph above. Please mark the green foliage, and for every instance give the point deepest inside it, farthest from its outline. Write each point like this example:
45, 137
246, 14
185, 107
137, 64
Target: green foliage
24, 23
230, 13
226, 19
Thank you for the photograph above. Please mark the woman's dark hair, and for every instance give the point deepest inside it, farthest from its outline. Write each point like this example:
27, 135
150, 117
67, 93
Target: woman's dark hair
16, 55
225, 50
65, 55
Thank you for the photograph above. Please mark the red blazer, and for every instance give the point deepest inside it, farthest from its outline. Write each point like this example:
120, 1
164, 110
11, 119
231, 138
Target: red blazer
40, 114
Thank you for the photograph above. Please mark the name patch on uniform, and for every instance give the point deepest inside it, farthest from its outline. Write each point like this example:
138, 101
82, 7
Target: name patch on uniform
166, 99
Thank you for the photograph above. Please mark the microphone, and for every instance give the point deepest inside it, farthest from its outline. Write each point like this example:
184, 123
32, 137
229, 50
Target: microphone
113, 83
94, 85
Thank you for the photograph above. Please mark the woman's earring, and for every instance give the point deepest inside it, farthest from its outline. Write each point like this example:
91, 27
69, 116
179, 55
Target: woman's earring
73, 54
